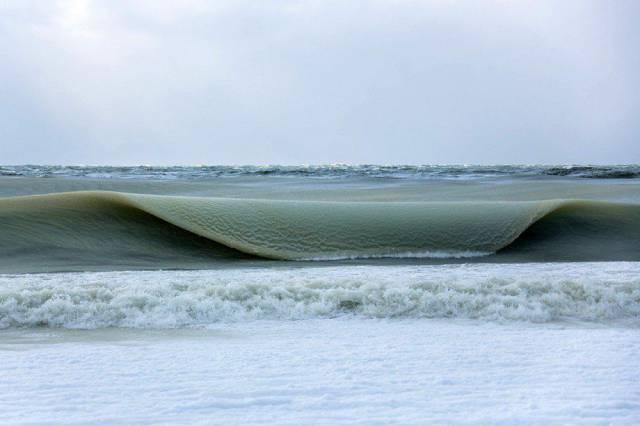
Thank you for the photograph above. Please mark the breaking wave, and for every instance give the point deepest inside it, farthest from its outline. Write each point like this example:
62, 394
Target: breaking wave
160, 299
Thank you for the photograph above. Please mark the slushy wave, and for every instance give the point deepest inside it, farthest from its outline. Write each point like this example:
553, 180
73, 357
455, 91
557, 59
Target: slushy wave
161, 231
520, 292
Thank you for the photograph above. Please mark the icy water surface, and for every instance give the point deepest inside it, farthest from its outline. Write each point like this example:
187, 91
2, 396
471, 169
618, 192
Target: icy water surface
320, 295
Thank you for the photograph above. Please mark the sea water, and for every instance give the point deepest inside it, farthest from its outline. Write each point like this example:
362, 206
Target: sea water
118, 336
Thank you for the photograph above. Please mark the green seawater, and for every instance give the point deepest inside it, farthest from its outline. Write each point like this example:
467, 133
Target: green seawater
75, 224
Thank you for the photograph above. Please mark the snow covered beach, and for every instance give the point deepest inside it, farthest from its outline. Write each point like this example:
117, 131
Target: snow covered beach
329, 371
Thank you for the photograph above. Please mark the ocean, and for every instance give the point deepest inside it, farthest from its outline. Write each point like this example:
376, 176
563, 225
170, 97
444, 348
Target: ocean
320, 294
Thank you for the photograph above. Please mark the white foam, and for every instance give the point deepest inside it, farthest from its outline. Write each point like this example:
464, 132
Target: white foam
525, 292
428, 254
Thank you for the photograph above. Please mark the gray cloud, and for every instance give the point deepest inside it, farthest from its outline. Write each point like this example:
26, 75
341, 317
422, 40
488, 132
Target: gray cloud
399, 81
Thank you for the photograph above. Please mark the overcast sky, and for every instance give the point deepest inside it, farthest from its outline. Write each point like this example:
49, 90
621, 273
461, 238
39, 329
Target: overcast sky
308, 82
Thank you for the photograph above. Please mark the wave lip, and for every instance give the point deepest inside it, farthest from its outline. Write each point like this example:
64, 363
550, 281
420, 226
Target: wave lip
592, 292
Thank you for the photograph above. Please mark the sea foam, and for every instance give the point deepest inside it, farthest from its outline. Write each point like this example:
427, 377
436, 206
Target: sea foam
168, 299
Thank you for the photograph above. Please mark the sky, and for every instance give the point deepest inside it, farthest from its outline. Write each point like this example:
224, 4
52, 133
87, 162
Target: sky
319, 82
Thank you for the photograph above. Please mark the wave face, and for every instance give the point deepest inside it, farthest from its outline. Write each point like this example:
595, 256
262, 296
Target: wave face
80, 229
326, 171
161, 299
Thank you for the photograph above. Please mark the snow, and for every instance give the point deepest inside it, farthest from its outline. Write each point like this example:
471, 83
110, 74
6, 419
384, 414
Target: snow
345, 370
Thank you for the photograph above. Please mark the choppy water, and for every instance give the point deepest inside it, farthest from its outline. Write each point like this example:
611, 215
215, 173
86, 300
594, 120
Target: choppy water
326, 171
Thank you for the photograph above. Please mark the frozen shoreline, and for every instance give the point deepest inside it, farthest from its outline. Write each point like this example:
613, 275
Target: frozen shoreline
327, 371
